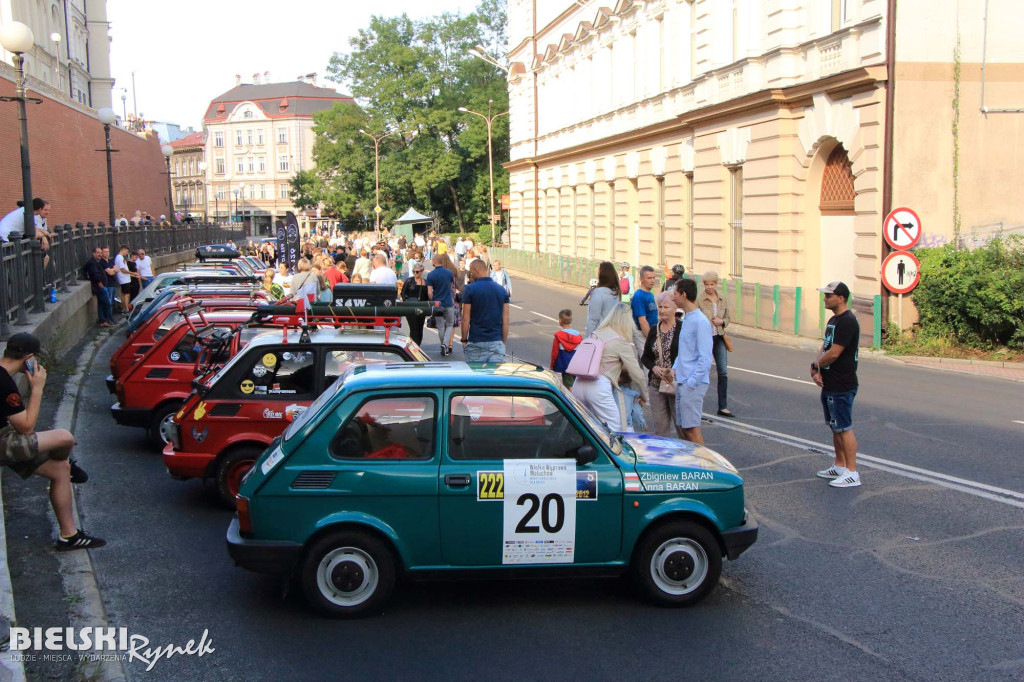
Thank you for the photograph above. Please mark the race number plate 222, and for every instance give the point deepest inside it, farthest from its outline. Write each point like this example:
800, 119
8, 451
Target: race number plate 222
539, 515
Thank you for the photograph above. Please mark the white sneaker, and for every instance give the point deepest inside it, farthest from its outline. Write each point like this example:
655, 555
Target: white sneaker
833, 472
851, 479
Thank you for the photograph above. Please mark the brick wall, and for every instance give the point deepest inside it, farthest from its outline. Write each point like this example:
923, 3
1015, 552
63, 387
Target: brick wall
66, 171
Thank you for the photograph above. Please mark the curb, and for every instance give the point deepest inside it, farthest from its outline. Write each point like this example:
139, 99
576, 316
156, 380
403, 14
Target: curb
963, 361
10, 668
85, 606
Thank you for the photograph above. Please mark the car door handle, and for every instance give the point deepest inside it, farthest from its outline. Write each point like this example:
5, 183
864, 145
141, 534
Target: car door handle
457, 480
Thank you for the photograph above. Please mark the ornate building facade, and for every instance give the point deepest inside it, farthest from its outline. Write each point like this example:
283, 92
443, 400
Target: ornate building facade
188, 176
72, 47
764, 139
258, 136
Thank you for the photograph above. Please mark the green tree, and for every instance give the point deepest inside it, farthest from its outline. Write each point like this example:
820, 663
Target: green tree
410, 77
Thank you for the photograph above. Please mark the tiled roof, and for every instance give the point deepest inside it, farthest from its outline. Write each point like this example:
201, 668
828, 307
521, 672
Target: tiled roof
193, 140
276, 100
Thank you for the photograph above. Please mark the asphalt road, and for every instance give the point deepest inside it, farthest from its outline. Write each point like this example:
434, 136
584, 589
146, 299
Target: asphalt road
902, 578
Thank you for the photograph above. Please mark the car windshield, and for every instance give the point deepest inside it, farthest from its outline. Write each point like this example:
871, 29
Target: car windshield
169, 323
596, 425
317, 405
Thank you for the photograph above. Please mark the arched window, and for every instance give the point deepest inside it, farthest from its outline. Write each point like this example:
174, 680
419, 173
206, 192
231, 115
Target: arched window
837, 192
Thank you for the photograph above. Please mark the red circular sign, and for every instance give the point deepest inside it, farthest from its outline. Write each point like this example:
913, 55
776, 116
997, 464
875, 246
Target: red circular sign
902, 228
901, 271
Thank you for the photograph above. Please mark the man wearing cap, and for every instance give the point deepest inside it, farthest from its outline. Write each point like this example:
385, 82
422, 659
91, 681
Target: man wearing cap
45, 453
835, 371
678, 271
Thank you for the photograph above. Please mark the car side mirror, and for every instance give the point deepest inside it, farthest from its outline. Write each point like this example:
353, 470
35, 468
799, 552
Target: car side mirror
585, 454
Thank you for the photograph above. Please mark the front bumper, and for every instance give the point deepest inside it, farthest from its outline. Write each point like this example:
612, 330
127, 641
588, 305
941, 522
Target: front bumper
131, 416
111, 383
737, 540
261, 556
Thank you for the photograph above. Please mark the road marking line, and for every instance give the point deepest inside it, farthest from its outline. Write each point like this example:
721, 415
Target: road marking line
1017, 421
544, 316
963, 485
773, 376
517, 307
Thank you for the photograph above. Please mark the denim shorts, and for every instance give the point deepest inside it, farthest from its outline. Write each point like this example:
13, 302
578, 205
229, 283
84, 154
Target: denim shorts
838, 409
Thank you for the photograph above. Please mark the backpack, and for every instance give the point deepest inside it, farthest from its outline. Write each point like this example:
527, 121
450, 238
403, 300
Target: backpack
624, 286
586, 361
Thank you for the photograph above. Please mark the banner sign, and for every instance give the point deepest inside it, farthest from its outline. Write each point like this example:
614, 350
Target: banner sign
281, 235
291, 252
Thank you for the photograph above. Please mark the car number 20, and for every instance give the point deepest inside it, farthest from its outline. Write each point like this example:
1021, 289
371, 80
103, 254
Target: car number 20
551, 506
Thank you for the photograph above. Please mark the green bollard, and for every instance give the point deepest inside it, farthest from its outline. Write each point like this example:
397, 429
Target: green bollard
796, 317
739, 300
876, 310
775, 307
757, 304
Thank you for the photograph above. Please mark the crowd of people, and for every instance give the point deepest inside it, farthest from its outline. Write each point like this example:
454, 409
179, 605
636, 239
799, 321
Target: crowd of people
649, 352
116, 281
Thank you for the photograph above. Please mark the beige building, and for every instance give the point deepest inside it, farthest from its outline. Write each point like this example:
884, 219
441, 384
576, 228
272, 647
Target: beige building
188, 176
258, 136
72, 47
763, 139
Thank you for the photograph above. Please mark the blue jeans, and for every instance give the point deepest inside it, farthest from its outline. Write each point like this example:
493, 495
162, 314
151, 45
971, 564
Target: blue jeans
838, 409
104, 313
484, 351
721, 356
111, 291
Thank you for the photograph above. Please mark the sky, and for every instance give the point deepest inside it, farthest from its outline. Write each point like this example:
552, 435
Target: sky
187, 52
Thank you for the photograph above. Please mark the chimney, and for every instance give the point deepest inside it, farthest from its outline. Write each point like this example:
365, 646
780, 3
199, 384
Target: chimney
311, 77
300, 78
238, 79
256, 78
266, 76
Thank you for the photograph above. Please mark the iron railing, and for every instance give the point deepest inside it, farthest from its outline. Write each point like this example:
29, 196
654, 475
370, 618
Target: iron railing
24, 282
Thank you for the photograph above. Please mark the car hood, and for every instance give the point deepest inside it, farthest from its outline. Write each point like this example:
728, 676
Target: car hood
669, 465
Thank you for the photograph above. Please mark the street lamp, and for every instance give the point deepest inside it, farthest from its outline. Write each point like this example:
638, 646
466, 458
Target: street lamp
241, 193
107, 118
490, 154
376, 169
167, 150
202, 189
124, 107
55, 37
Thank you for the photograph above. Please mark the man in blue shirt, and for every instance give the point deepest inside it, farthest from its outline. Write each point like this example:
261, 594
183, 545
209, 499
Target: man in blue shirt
645, 310
693, 363
439, 288
484, 317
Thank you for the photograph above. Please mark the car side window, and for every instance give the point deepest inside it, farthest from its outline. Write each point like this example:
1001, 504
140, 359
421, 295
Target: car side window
186, 350
339, 360
398, 428
285, 373
495, 427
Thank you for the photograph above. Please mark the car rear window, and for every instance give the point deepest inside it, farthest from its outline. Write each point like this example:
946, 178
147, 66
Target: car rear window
169, 323
388, 428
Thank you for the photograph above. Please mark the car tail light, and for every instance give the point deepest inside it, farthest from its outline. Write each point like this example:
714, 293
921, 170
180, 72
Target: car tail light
244, 521
113, 366
119, 392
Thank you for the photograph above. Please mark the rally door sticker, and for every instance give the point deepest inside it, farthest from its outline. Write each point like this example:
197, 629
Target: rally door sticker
490, 486
539, 515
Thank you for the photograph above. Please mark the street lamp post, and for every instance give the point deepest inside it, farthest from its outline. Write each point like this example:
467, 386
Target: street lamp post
107, 118
490, 153
124, 107
202, 190
167, 150
376, 170
17, 39
241, 217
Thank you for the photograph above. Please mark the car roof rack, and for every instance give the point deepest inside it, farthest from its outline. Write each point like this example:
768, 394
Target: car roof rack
319, 315
217, 252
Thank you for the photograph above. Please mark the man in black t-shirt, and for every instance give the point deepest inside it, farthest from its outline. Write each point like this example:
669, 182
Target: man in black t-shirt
835, 371
45, 453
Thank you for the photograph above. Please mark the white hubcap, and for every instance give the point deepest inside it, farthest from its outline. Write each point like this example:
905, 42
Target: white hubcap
347, 576
679, 566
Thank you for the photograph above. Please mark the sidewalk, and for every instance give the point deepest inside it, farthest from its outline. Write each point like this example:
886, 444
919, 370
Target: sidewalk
1013, 371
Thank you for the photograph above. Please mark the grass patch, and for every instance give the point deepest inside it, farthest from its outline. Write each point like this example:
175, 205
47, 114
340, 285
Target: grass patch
939, 346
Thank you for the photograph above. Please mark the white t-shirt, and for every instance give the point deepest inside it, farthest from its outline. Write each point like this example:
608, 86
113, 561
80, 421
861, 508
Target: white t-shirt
119, 263
12, 222
383, 275
145, 266
284, 281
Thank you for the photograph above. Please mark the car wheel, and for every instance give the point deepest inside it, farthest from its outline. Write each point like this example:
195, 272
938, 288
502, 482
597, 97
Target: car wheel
231, 469
159, 431
348, 574
677, 564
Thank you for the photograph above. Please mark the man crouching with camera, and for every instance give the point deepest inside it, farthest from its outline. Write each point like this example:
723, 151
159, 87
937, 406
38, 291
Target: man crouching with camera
45, 453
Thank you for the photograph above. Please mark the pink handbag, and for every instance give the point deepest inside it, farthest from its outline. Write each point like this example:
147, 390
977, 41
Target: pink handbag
586, 360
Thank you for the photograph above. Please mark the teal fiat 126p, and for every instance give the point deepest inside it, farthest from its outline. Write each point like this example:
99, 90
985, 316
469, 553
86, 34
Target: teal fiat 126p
444, 469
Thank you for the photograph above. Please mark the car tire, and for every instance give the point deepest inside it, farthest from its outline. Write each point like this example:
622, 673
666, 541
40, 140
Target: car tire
347, 574
677, 564
231, 468
161, 418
